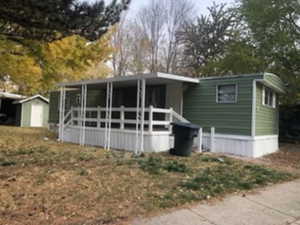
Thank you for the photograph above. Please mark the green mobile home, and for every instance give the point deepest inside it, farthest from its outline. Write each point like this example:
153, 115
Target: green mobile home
136, 112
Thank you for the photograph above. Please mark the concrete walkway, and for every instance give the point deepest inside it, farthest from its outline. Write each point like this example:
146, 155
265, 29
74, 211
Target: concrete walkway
275, 205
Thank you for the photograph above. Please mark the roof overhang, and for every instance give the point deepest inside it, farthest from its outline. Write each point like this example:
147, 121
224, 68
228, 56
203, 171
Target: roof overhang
151, 78
273, 87
6, 95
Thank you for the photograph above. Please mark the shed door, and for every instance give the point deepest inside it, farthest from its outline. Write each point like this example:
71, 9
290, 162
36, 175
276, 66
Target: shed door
36, 116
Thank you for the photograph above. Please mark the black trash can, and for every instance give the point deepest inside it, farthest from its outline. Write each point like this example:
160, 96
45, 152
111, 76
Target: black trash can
184, 134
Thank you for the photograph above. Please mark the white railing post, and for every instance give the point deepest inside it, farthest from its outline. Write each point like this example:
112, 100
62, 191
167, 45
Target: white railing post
170, 119
122, 117
150, 122
200, 138
99, 116
212, 139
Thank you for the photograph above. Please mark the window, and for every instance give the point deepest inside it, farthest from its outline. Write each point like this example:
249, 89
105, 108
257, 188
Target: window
227, 93
269, 97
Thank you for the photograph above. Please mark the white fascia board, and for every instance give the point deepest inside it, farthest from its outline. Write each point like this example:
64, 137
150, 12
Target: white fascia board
132, 78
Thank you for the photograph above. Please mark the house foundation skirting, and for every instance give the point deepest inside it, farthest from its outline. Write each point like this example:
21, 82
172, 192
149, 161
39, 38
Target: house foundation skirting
242, 145
120, 139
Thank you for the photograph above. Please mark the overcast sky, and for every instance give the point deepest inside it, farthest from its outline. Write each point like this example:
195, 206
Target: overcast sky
200, 4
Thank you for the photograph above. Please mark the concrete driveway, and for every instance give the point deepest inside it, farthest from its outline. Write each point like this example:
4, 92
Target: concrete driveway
276, 205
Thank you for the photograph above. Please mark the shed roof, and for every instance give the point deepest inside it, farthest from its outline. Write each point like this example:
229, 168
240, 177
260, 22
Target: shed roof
32, 98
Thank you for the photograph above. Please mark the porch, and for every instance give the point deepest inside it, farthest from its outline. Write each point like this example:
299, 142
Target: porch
139, 122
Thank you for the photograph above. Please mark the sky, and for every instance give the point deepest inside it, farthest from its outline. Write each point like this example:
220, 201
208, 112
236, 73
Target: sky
200, 4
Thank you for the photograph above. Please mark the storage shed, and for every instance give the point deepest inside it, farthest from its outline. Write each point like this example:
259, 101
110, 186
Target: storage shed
32, 111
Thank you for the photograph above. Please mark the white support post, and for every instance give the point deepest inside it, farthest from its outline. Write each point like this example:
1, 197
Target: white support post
212, 139
83, 113
150, 124
143, 99
106, 115
122, 117
81, 116
170, 120
137, 116
110, 114
200, 138
98, 116
62, 113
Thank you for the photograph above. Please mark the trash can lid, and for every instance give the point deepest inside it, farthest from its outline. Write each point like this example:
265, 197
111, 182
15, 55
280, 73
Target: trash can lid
187, 125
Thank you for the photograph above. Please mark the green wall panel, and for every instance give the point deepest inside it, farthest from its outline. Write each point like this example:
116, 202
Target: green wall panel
266, 117
200, 106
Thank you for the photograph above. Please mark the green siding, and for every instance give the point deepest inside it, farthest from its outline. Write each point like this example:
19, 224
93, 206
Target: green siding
200, 106
26, 112
266, 117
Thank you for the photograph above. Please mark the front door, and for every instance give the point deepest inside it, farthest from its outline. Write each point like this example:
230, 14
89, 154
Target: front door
36, 115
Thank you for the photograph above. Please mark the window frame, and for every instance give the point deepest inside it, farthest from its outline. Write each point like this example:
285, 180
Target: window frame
274, 98
227, 102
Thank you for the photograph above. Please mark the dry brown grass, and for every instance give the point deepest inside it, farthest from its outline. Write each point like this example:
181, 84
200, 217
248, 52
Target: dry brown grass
288, 158
46, 182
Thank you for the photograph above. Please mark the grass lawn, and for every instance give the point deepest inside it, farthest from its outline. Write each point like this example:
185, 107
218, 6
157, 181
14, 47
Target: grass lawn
45, 182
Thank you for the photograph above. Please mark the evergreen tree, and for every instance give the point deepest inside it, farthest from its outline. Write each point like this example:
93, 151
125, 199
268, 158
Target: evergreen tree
50, 20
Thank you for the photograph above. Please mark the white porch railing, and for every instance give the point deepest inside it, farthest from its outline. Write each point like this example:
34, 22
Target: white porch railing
156, 119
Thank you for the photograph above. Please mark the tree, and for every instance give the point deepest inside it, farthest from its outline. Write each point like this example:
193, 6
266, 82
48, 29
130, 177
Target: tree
206, 39
50, 20
275, 31
151, 20
69, 59
147, 42
160, 21
120, 42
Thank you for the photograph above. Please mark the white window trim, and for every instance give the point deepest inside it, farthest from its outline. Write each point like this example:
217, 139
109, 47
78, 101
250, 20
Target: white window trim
236, 94
274, 98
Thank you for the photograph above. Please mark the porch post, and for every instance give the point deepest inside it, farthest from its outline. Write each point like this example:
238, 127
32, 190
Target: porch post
83, 113
143, 114
137, 116
150, 122
106, 115
200, 138
212, 139
171, 119
122, 117
110, 114
62, 113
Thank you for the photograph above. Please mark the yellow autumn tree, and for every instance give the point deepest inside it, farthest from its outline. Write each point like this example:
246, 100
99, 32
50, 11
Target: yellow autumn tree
37, 67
